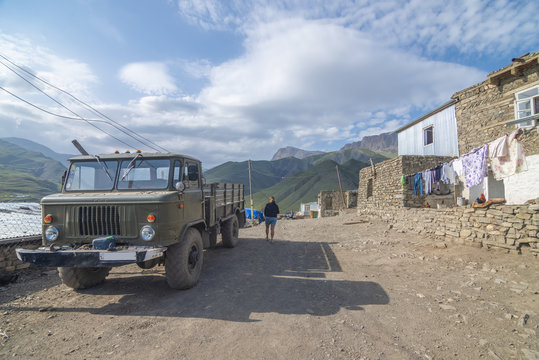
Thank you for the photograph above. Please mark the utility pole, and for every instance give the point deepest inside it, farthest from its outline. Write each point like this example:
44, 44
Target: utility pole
251, 193
340, 186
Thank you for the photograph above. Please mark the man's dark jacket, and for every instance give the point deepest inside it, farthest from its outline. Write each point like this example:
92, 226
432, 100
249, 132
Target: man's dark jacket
271, 210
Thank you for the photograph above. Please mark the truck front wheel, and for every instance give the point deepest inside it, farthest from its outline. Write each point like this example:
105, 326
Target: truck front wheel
183, 261
230, 232
83, 277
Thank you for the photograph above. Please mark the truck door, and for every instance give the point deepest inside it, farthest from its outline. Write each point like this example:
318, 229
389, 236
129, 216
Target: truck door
193, 200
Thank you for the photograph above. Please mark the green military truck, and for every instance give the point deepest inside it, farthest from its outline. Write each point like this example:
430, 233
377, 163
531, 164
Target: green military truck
148, 209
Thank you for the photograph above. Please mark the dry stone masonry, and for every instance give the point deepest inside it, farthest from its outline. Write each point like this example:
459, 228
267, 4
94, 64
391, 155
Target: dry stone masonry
510, 228
380, 184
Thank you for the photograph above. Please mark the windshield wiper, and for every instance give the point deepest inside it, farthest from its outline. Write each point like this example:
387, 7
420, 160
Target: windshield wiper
131, 166
104, 167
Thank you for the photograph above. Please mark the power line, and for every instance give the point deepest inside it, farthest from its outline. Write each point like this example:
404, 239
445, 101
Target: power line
66, 117
59, 103
110, 121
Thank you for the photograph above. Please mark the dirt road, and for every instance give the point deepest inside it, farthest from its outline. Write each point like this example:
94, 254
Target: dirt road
323, 290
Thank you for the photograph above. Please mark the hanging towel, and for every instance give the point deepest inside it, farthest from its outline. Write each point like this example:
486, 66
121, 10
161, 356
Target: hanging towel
475, 166
514, 162
498, 147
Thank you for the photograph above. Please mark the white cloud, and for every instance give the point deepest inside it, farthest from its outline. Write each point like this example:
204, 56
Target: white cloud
430, 26
150, 78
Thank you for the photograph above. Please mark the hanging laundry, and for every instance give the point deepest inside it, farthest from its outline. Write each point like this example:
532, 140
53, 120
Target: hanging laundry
418, 184
498, 147
427, 177
457, 168
514, 162
410, 180
448, 174
475, 166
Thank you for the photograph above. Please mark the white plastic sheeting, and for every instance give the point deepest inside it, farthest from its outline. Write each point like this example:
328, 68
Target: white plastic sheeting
445, 136
525, 185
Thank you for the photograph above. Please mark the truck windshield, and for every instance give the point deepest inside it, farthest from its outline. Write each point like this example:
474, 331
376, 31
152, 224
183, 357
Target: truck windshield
144, 174
91, 175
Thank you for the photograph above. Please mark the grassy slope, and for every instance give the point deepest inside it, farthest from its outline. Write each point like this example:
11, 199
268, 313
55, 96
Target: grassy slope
27, 173
304, 187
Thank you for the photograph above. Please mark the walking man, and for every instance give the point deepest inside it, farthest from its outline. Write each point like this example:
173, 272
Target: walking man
270, 212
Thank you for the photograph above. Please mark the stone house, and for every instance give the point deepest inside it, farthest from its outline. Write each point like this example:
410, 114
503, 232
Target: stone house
330, 202
506, 100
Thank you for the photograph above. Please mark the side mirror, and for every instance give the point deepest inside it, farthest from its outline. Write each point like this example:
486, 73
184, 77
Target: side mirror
180, 186
203, 180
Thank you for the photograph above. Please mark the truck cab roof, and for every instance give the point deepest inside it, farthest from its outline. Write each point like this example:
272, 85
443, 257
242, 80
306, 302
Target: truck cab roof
125, 156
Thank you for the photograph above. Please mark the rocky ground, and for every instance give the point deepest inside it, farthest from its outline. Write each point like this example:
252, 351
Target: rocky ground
331, 288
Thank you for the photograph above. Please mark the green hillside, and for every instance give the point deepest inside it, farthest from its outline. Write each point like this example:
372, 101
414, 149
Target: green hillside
27, 175
264, 173
292, 191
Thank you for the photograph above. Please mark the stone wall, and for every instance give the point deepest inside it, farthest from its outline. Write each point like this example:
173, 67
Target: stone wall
380, 184
330, 202
486, 104
8, 258
509, 228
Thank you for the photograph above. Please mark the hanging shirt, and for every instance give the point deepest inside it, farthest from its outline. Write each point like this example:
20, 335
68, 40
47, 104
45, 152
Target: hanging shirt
448, 174
475, 166
457, 168
514, 162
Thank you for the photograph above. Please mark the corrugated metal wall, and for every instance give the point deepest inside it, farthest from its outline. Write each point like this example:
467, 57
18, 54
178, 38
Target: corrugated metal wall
445, 136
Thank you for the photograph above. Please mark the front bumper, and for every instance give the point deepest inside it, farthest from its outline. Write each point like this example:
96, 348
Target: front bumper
68, 257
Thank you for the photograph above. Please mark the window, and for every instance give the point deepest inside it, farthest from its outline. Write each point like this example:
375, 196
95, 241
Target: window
177, 172
369, 188
428, 135
140, 173
190, 175
527, 105
91, 175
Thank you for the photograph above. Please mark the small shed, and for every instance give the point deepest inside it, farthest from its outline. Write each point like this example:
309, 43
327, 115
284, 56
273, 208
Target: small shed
306, 208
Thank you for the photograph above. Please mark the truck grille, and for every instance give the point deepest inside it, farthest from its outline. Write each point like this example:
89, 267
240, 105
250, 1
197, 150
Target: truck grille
98, 220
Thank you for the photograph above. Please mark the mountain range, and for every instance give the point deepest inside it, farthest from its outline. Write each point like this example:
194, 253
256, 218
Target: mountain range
384, 143
29, 171
291, 151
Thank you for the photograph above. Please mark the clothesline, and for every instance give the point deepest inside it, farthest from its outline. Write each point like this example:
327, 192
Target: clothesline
506, 156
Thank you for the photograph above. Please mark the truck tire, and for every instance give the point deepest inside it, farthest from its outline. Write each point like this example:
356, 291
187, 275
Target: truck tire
183, 261
83, 277
230, 232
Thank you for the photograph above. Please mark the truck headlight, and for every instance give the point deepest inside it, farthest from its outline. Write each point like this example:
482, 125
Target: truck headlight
51, 233
147, 233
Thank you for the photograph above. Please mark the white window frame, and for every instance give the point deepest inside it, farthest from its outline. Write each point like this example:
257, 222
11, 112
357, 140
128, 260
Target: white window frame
425, 137
531, 111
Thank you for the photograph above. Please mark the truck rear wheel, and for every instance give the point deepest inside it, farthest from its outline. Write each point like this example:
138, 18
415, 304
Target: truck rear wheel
230, 232
83, 277
183, 261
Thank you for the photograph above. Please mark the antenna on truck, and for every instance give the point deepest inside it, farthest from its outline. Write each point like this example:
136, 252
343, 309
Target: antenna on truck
79, 147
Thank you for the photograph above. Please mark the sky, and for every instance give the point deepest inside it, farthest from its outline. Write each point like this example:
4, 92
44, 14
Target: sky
236, 80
